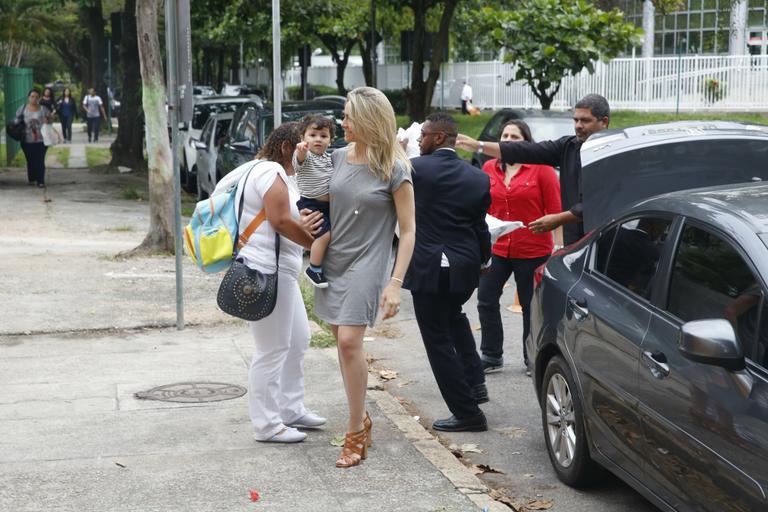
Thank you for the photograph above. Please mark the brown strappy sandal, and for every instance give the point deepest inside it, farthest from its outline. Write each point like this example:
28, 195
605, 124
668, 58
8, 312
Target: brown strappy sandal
355, 449
368, 426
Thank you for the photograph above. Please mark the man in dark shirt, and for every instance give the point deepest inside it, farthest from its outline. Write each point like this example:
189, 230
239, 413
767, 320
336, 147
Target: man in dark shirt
591, 115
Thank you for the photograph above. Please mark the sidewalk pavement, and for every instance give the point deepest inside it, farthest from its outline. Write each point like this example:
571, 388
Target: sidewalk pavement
82, 331
77, 158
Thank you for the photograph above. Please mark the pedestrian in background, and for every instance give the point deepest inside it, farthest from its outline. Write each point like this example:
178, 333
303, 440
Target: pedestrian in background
67, 109
466, 98
519, 192
452, 244
276, 374
48, 100
591, 114
35, 116
370, 192
94, 111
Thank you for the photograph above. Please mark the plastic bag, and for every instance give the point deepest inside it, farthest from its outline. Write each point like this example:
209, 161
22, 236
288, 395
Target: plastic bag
49, 137
412, 134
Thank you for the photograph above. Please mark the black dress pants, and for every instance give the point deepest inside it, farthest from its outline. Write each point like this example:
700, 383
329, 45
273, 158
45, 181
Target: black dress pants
488, 308
34, 152
450, 346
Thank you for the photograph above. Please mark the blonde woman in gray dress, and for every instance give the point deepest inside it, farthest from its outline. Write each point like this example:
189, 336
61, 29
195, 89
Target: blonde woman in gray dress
371, 191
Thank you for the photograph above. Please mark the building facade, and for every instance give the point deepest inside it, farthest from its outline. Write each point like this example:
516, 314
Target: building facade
703, 27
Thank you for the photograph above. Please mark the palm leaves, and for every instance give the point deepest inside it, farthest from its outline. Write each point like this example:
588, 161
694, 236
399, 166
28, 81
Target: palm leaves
22, 23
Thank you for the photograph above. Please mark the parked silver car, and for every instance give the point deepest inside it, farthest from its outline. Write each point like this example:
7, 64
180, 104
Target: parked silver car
207, 148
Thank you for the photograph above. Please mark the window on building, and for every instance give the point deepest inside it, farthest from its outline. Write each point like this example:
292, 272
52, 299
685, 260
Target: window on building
695, 20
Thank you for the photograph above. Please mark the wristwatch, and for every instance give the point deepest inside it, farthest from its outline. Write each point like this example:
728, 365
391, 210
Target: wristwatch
480, 146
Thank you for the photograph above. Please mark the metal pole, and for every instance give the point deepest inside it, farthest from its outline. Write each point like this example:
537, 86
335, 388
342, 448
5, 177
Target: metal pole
109, 85
171, 50
679, 65
241, 61
277, 83
373, 43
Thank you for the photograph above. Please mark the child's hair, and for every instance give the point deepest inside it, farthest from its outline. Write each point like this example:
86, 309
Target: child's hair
318, 122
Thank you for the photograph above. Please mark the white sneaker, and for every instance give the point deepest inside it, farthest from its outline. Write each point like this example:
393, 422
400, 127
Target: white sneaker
309, 420
287, 435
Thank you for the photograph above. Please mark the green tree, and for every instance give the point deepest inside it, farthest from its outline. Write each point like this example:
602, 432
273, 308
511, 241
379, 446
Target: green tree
22, 24
549, 39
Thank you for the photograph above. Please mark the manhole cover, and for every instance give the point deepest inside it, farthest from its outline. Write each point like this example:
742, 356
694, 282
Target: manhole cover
192, 392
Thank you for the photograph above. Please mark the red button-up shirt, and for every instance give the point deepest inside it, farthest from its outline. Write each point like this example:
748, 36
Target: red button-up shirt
532, 193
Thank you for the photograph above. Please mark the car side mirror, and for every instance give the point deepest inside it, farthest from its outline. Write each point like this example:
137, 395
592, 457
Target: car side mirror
244, 145
711, 342
199, 145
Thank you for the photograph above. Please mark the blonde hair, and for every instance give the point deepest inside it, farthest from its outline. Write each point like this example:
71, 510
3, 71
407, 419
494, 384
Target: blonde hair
375, 127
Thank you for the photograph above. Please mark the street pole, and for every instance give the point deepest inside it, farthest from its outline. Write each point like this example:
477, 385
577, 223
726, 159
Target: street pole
679, 66
277, 82
241, 61
373, 43
171, 48
109, 85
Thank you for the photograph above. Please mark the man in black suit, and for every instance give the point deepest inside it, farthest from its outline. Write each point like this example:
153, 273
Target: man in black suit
452, 244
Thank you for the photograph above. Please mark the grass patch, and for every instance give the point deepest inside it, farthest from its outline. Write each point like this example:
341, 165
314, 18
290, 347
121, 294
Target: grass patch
626, 118
324, 338
131, 194
121, 229
62, 156
18, 159
97, 156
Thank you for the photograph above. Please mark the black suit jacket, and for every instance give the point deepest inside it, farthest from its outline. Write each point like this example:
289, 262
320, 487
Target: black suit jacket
452, 199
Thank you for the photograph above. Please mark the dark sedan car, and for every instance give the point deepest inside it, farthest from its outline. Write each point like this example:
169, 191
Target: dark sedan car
650, 335
544, 124
252, 124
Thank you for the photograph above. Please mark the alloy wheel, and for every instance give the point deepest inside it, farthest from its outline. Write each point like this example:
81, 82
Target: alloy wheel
561, 420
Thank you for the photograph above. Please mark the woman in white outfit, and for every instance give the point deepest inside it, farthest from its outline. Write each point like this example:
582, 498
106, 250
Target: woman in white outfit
276, 375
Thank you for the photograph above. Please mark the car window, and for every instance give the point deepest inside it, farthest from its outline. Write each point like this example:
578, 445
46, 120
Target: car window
221, 131
200, 115
549, 128
205, 135
603, 249
710, 279
493, 128
636, 252
246, 128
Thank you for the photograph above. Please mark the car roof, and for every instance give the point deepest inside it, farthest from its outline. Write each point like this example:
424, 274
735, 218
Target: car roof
308, 106
607, 143
747, 202
520, 113
227, 99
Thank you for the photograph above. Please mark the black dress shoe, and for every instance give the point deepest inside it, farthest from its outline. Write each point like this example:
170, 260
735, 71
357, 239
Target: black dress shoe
454, 424
480, 394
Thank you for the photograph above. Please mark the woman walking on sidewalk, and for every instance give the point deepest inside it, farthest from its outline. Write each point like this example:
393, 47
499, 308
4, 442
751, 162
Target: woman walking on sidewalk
35, 116
370, 192
519, 192
67, 108
276, 374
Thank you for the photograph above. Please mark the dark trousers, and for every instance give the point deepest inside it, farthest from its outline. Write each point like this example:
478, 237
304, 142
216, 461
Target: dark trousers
66, 127
450, 346
94, 124
34, 152
489, 293
464, 109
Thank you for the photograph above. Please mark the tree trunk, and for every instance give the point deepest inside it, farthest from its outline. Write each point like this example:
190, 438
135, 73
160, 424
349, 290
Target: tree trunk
92, 17
220, 71
128, 147
441, 43
366, 52
416, 110
160, 237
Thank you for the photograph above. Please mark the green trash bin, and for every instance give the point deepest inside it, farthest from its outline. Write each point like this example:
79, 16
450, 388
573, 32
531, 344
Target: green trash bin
16, 83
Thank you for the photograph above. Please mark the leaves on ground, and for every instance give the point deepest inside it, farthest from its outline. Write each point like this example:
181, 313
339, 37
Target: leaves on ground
406, 383
539, 505
387, 374
460, 450
501, 496
479, 469
337, 440
512, 432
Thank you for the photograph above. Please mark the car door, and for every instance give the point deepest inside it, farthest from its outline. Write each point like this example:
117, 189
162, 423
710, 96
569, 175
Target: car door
706, 427
606, 320
238, 148
206, 154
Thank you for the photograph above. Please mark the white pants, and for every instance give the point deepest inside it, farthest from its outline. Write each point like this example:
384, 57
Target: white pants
276, 375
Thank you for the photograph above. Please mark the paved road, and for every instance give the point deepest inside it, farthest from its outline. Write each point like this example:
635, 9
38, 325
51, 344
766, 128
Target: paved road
514, 444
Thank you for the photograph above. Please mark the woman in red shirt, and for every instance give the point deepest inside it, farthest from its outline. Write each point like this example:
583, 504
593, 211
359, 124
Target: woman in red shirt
519, 192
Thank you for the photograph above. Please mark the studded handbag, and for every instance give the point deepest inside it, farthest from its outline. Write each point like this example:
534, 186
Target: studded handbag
245, 292
248, 293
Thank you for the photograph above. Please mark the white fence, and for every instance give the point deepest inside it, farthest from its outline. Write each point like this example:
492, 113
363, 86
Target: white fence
657, 83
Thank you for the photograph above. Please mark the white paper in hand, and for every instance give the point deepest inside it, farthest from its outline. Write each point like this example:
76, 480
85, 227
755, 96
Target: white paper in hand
499, 228
412, 134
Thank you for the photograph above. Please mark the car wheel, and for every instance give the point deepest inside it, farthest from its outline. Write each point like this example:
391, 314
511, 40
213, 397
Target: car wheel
563, 422
201, 194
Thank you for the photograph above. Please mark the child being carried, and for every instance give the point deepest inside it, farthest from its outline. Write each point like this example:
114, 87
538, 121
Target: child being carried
313, 176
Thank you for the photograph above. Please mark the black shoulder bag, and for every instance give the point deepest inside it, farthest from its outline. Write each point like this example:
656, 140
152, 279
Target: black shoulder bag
245, 292
16, 128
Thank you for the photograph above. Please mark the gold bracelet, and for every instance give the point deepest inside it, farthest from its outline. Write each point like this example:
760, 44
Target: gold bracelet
393, 278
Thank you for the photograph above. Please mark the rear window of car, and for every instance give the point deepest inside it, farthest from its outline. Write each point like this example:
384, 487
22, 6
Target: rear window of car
203, 111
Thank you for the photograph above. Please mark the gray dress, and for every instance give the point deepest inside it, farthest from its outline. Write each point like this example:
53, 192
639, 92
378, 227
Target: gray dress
363, 219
